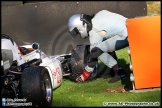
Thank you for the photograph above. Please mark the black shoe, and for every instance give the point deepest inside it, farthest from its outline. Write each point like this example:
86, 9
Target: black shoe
115, 78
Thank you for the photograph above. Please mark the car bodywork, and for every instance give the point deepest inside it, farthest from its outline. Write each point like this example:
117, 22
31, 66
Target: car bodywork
51, 63
26, 70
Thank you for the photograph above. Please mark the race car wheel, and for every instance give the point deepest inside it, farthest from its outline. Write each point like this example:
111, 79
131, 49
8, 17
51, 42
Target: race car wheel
79, 59
36, 86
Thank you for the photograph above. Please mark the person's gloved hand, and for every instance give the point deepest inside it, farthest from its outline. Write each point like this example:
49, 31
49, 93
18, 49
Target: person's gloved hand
84, 76
23, 50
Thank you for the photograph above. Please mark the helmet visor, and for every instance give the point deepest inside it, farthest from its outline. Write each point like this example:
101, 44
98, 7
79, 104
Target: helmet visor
74, 33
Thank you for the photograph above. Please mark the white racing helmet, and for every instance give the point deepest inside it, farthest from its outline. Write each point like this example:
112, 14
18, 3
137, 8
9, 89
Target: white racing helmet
77, 26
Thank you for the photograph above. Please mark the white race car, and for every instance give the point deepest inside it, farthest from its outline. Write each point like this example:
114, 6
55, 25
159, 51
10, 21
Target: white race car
28, 73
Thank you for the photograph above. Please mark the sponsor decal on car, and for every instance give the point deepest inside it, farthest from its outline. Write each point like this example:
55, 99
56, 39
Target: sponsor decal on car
57, 75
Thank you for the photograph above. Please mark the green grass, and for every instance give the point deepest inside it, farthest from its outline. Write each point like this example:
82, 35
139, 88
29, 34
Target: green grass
153, 8
94, 93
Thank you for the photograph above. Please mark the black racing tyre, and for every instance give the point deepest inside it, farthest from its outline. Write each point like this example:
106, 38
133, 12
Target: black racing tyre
78, 61
79, 57
36, 86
